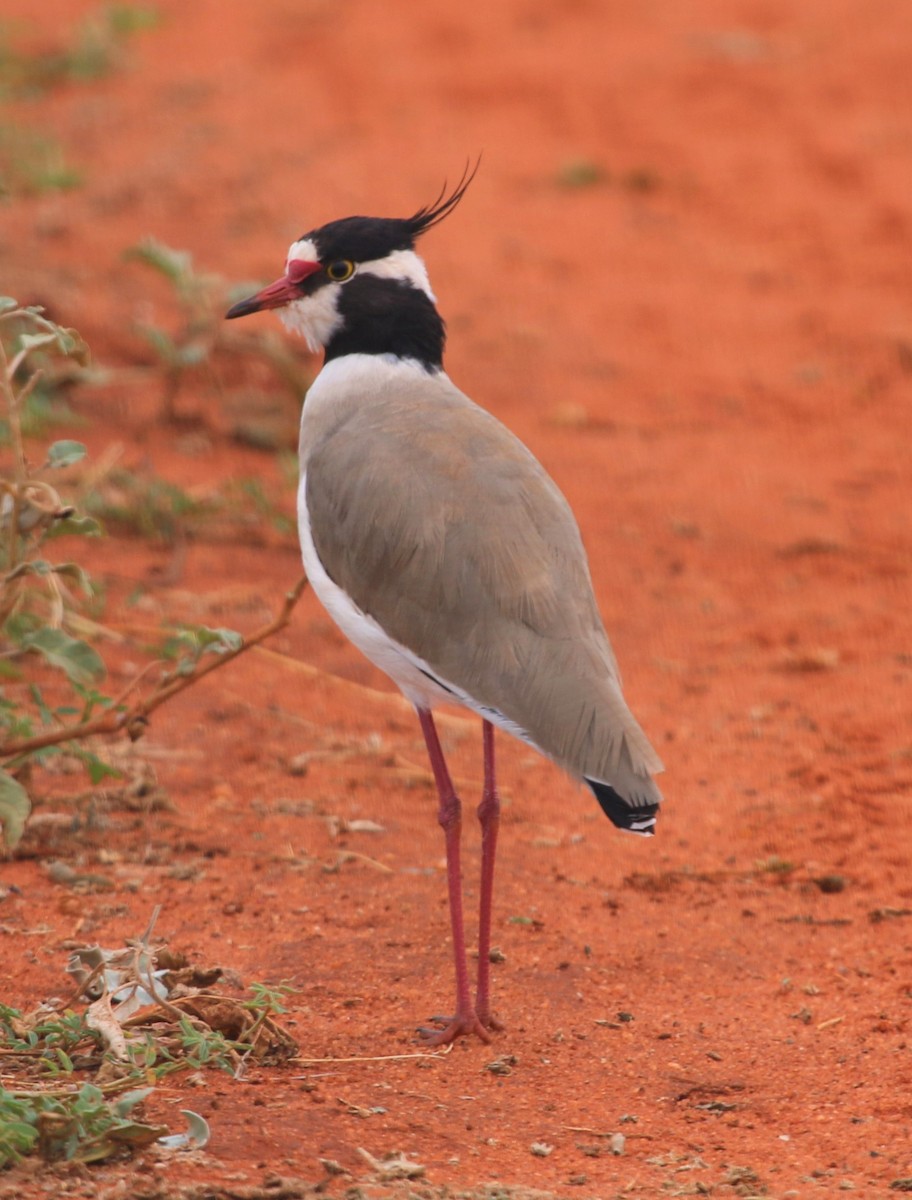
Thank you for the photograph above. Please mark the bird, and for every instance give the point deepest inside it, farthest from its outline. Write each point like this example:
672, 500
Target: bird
444, 551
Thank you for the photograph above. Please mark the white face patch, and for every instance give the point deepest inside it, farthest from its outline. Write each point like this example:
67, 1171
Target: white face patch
316, 318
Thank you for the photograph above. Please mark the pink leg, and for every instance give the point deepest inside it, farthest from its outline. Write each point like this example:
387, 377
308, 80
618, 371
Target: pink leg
449, 815
489, 816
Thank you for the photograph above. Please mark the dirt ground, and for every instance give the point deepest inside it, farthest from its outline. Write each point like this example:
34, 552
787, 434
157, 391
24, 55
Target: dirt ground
682, 277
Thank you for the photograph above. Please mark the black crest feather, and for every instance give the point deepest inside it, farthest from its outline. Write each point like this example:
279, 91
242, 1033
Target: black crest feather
364, 238
432, 214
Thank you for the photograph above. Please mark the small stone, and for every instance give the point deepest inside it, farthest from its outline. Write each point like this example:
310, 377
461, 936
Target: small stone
541, 1149
617, 1143
830, 884
503, 1065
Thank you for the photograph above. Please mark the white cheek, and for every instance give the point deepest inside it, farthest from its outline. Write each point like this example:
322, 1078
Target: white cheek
314, 317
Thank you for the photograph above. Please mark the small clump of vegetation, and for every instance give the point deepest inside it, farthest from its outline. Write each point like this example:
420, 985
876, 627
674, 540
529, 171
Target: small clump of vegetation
580, 173
31, 161
93, 49
199, 340
75, 1079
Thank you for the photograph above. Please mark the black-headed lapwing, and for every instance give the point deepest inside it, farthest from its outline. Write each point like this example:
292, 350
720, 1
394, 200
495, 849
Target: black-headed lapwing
443, 550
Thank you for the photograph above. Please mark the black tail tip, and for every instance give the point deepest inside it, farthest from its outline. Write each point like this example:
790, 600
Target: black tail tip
619, 812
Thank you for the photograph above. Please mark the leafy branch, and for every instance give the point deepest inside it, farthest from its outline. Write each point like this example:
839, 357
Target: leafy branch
201, 337
133, 719
39, 598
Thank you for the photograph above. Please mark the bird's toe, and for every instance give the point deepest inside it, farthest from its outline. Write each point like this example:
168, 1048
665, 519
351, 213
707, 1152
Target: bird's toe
448, 1029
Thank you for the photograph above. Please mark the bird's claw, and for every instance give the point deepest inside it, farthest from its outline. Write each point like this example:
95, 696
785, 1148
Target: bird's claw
460, 1025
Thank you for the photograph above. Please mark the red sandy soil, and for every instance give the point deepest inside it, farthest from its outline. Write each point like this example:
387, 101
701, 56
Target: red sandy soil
709, 348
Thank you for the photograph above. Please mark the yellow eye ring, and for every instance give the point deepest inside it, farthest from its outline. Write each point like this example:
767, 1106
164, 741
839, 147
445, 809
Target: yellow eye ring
341, 270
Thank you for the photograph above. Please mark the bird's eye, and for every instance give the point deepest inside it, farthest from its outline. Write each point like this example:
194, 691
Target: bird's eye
341, 270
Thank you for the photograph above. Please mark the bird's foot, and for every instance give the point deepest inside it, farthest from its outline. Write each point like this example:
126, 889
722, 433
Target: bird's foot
451, 1028
488, 1020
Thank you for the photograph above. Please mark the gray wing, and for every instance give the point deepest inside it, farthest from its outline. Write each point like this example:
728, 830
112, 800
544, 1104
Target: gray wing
450, 534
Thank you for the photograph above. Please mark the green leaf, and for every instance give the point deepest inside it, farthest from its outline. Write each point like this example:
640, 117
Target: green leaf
78, 526
128, 1100
7, 304
31, 341
65, 453
20, 1131
173, 264
40, 704
73, 571
88, 1098
163, 345
71, 343
16, 1140
78, 660
96, 768
219, 641
130, 18
14, 808
65, 1061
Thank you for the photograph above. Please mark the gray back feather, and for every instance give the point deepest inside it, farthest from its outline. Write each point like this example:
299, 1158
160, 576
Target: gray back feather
442, 526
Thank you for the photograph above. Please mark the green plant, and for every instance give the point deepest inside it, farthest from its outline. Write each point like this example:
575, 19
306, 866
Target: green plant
94, 49
55, 1116
32, 163
30, 160
76, 1126
37, 595
145, 505
268, 1000
249, 496
209, 1047
581, 173
47, 707
199, 337
141, 1028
